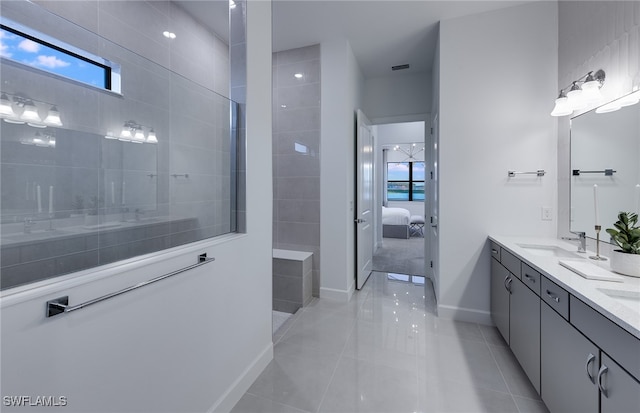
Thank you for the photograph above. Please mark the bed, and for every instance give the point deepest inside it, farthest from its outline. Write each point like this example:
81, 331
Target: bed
395, 222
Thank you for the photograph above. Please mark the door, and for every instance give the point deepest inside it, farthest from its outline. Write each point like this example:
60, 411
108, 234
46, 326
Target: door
568, 366
524, 329
364, 199
500, 280
432, 213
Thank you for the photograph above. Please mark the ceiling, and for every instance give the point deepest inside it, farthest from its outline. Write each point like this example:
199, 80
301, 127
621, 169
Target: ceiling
382, 33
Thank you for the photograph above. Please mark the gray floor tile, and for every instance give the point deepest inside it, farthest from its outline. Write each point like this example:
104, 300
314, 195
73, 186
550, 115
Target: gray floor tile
516, 378
360, 386
439, 395
530, 406
467, 362
294, 380
250, 403
492, 335
387, 351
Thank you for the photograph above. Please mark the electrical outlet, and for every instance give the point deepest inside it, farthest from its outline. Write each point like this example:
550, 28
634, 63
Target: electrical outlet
547, 214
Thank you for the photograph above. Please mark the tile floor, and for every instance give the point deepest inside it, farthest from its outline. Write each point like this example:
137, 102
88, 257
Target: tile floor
387, 351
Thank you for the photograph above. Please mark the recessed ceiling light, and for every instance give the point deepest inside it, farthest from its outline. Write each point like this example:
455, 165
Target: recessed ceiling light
169, 35
298, 75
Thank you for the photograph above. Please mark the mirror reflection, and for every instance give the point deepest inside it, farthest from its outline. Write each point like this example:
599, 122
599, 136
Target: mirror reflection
605, 149
92, 175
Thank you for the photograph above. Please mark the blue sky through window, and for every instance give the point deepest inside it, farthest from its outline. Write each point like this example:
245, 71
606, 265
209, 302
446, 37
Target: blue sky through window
31, 53
398, 171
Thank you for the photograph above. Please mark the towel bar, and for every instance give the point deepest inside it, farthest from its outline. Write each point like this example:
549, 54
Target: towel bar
61, 305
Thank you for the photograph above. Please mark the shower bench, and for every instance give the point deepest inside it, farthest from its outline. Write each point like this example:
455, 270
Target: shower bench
292, 279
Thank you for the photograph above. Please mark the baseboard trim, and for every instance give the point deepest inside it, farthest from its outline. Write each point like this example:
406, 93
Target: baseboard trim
337, 295
240, 386
464, 314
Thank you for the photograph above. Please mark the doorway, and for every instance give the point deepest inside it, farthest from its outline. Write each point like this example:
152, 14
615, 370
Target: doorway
401, 191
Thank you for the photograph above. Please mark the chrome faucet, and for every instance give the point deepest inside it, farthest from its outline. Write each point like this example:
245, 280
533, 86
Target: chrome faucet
28, 223
582, 237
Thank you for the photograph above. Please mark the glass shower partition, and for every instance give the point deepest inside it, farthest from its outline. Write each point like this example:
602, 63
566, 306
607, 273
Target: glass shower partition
117, 174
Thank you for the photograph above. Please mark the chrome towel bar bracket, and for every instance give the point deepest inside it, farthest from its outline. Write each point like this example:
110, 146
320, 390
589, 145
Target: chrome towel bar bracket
61, 305
539, 172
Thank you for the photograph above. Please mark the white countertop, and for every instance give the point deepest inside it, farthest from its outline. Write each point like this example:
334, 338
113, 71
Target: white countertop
625, 313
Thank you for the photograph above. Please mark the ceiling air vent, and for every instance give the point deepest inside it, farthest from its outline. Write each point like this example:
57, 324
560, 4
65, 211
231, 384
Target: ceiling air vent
400, 67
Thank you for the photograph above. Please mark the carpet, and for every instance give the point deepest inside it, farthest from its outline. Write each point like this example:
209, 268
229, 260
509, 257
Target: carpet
403, 256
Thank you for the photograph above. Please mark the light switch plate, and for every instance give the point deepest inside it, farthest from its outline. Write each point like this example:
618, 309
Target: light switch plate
547, 213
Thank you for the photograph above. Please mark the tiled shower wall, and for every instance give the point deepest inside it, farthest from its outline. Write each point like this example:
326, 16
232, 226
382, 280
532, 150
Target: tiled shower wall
594, 35
296, 149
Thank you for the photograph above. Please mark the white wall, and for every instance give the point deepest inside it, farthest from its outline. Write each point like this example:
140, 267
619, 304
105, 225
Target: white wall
341, 91
396, 96
488, 127
405, 132
194, 342
594, 35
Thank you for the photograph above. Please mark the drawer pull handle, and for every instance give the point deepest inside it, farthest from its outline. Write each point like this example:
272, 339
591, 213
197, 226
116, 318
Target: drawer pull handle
494, 251
587, 367
530, 278
602, 372
553, 296
507, 283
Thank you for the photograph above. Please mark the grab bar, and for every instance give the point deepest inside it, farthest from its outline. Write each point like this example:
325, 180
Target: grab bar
61, 305
606, 172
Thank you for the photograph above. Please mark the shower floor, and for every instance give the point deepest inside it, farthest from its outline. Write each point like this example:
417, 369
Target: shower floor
279, 319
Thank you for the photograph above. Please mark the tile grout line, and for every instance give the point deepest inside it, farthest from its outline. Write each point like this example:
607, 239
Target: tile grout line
495, 360
340, 358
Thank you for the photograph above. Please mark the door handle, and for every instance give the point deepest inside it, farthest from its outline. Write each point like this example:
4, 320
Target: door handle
587, 366
360, 221
602, 372
507, 283
553, 296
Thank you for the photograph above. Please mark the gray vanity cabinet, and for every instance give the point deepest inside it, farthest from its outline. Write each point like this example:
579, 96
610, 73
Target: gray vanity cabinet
524, 330
569, 366
620, 392
500, 281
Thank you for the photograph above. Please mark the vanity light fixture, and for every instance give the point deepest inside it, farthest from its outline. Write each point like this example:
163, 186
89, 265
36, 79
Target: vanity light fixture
30, 111
169, 35
5, 106
628, 100
232, 4
579, 94
151, 138
53, 117
133, 132
298, 75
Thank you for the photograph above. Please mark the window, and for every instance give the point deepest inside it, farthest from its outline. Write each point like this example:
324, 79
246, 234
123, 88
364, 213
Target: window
405, 181
27, 47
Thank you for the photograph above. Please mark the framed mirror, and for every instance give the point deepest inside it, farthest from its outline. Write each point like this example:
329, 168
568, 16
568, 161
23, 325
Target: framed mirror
605, 152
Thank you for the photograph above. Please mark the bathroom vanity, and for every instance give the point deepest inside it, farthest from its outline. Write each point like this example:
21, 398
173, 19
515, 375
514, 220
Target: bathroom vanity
577, 339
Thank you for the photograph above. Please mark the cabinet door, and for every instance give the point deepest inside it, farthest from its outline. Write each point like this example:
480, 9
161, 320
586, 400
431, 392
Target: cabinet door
569, 366
620, 391
500, 279
524, 330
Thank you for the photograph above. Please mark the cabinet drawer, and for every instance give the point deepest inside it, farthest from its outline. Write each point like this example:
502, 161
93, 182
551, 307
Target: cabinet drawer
611, 338
555, 296
511, 262
531, 278
495, 251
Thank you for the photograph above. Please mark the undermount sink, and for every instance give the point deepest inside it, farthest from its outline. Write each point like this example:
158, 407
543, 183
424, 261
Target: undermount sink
548, 251
628, 298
